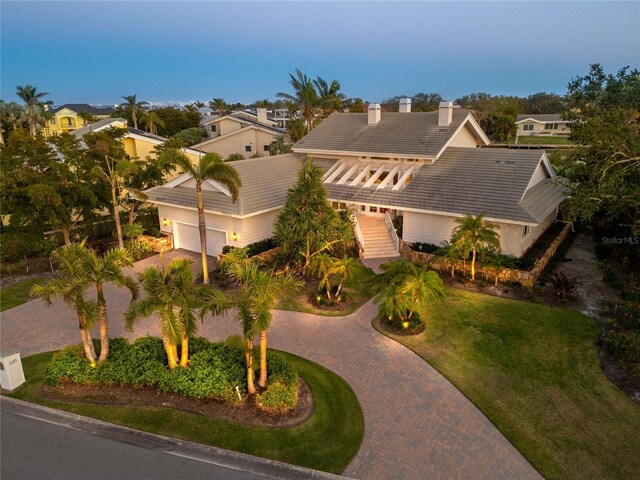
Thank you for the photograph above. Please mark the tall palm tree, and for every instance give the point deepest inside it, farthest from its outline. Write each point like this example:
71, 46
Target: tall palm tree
134, 107
407, 287
330, 98
172, 295
260, 292
31, 97
153, 121
210, 167
305, 97
102, 270
474, 234
71, 287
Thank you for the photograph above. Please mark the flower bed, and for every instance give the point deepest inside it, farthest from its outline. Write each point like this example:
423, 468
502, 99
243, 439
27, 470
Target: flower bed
216, 371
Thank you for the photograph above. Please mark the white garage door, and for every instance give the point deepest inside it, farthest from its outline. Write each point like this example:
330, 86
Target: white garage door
188, 237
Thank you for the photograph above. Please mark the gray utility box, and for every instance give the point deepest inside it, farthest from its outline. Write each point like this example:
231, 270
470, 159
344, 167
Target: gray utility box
11, 373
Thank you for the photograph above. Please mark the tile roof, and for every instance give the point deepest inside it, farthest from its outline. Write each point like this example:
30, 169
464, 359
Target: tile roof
541, 117
99, 125
85, 107
265, 182
414, 134
469, 181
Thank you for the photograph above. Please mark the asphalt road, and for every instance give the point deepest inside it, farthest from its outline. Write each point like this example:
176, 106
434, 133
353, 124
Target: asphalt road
32, 449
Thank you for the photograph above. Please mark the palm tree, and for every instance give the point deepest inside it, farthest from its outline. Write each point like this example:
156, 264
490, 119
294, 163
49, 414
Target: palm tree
260, 292
210, 167
474, 234
327, 267
101, 270
31, 97
330, 97
280, 145
87, 117
407, 287
134, 107
172, 294
494, 261
14, 115
305, 97
71, 287
219, 105
153, 121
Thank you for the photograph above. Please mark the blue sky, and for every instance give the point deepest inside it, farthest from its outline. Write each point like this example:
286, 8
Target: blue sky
95, 52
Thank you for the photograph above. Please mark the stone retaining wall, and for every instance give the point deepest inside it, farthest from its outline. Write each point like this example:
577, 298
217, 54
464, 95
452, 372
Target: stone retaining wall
159, 244
525, 278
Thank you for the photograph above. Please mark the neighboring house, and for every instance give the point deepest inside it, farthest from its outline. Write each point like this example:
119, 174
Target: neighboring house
239, 132
541, 124
137, 143
66, 118
424, 167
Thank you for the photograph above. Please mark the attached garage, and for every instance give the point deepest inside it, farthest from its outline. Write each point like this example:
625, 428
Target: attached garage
187, 236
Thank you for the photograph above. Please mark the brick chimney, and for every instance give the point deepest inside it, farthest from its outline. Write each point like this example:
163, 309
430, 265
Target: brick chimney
374, 113
445, 114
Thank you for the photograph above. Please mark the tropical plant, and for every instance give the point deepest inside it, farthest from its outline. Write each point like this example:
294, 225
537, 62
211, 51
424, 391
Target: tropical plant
71, 286
305, 97
407, 287
234, 157
87, 117
191, 136
210, 167
260, 292
220, 106
280, 145
328, 268
493, 261
102, 270
472, 235
296, 129
133, 107
31, 97
330, 98
172, 295
308, 224
153, 121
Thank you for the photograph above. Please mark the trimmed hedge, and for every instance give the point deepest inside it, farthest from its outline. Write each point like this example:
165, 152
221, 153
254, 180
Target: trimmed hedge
255, 248
215, 370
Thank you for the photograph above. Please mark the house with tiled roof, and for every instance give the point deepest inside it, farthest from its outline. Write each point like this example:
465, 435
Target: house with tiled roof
530, 124
240, 132
71, 116
425, 168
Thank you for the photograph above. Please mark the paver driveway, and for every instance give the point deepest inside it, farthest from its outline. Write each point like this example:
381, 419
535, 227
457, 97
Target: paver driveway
417, 425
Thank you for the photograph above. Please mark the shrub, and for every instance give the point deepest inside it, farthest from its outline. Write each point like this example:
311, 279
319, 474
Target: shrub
424, 247
133, 230
279, 397
278, 366
69, 364
191, 136
261, 246
138, 248
624, 345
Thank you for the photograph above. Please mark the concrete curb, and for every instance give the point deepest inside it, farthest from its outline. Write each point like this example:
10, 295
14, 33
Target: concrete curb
168, 445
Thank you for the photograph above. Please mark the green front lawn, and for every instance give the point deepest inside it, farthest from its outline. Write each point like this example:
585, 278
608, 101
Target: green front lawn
544, 140
16, 293
359, 287
326, 441
534, 371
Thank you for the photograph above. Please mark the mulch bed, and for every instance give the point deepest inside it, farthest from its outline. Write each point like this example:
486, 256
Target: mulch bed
246, 413
399, 332
343, 305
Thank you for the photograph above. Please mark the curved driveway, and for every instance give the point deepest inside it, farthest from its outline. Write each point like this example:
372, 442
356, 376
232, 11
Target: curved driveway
417, 424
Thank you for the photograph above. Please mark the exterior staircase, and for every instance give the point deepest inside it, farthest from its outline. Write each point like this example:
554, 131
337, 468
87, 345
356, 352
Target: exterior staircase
378, 242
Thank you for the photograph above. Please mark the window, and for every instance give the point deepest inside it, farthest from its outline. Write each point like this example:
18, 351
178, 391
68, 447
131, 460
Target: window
526, 230
551, 126
214, 128
266, 148
527, 127
247, 148
53, 121
373, 209
363, 208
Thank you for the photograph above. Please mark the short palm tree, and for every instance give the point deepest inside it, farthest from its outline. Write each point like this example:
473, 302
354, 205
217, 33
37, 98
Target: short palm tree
473, 235
327, 268
71, 287
210, 167
134, 107
102, 270
31, 97
172, 295
260, 292
407, 287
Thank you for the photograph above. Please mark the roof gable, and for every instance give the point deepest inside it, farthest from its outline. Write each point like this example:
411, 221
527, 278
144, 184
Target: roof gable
401, 135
